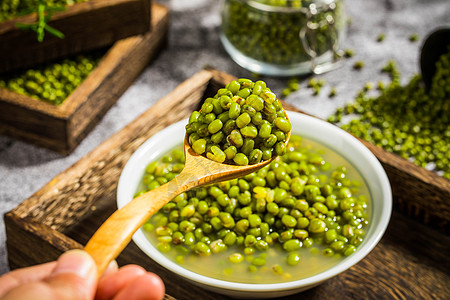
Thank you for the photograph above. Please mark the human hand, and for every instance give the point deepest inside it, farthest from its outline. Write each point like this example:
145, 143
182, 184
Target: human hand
74, 277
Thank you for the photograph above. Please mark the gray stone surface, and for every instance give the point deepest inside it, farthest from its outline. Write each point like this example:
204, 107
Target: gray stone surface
194, 43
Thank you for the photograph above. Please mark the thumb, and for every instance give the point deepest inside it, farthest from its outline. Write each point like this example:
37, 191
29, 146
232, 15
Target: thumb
73, 278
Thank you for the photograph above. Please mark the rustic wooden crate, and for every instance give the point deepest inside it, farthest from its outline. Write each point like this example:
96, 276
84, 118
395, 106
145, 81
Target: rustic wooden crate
410, 262
61, 128
86, 26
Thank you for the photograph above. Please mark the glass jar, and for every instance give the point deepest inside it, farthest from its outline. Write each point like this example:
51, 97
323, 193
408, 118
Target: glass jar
283, 37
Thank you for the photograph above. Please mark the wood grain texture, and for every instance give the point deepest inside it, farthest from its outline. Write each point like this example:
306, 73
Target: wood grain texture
417, 192
23, 237
410, 262
86, 26
62, 128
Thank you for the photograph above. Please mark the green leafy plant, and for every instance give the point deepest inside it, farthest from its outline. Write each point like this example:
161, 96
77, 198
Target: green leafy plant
44, 14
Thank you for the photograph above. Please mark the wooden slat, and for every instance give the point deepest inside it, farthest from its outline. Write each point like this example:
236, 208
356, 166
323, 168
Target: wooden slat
30, 242
419, 193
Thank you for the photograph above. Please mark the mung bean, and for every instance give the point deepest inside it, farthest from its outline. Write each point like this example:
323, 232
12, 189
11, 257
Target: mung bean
277, 205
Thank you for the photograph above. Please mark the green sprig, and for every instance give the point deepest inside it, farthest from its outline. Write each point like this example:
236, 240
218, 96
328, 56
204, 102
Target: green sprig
45, 13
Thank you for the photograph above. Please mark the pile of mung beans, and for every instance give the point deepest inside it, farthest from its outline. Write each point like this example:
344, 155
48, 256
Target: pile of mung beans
298, 201
12, 8
244, 123
52, 82
406, 119
271, 35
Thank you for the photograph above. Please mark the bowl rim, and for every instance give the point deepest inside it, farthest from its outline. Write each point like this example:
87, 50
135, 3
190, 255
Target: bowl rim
383, 188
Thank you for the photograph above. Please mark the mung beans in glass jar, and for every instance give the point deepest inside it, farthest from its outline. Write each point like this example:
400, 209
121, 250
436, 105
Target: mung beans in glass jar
283, 37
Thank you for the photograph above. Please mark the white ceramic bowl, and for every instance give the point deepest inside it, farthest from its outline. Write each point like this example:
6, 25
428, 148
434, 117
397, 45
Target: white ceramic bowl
309, 127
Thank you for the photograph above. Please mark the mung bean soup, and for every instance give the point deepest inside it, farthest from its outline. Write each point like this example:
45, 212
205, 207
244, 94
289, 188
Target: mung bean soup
295, 218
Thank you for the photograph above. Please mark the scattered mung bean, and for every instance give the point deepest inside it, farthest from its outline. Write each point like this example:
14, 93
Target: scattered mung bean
406, 119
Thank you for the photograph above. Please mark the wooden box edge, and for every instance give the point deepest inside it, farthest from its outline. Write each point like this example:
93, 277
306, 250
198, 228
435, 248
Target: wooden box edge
135, 16
70, 131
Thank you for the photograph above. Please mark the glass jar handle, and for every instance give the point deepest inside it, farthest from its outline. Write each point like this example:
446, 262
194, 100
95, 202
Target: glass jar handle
309, 42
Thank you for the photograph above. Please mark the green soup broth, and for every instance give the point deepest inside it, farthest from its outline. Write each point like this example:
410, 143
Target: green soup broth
319, 251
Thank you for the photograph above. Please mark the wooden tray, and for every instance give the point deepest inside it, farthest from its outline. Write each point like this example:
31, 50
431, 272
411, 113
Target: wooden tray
86, 26
410, 262
61, 128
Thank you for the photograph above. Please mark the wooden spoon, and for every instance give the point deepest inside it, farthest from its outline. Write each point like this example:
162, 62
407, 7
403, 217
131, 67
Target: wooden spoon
436, 44
116, 232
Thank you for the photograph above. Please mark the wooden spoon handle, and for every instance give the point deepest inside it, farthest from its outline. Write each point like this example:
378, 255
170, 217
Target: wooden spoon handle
116, 232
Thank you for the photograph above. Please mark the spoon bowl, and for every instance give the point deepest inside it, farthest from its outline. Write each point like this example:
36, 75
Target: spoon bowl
435, 45
116, 232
